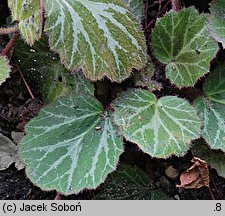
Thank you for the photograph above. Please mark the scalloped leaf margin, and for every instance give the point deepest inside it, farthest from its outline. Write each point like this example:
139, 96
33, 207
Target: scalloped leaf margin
216, 23
71, 145
29, 15
4, 69
181, 41
103, 38
161, 127
211, 108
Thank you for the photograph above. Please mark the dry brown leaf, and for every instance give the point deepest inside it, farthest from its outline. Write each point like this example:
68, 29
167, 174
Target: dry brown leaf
9, 154
196, 176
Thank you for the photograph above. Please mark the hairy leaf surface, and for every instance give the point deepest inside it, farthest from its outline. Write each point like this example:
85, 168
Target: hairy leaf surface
28, 14
4, 69
182, 42
212, 108
101, 37
213, 116
217, 21
136, 6
214, 85
161, 127
71, 145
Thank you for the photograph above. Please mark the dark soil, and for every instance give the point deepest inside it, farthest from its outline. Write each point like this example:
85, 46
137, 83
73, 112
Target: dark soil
15, 111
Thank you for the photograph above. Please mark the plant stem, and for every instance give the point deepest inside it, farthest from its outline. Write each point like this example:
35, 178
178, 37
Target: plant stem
58, 196
162, 11
25, 82
146, 14
9, 46
211, 193
9, 30
159, 9
175, 5
218, 192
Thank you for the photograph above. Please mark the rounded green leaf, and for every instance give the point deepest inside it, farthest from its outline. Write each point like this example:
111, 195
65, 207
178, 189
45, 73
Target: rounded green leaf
161, 127
214, 85
28, 14
4, 69
216, 159
71, 145
101, 37
213, 116
217, 21
212, 108
182, 42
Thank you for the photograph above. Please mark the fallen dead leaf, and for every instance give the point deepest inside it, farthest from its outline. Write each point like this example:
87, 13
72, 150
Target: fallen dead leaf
196, 176
9, 154
17, 136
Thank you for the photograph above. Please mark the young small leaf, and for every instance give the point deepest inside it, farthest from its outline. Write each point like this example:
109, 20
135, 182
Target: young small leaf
161, 127
213, 116
71, 145
217, 21
215, 159
28, 14
4, 69
101, 37
182, 42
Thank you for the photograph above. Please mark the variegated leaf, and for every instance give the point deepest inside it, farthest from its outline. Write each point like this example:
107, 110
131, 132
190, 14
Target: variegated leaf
4, 69
215, 159
136, 6
217, 21
214, 85
71, 145
28, 14
182, 42
213, 116
100, 36
161, 127
212, 108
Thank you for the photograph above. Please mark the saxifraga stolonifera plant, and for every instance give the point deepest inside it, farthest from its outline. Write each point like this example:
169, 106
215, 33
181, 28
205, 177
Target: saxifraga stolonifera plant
74, 142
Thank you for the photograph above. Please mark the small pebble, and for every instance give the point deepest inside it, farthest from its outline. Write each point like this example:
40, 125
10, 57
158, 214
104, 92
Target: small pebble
171, 172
